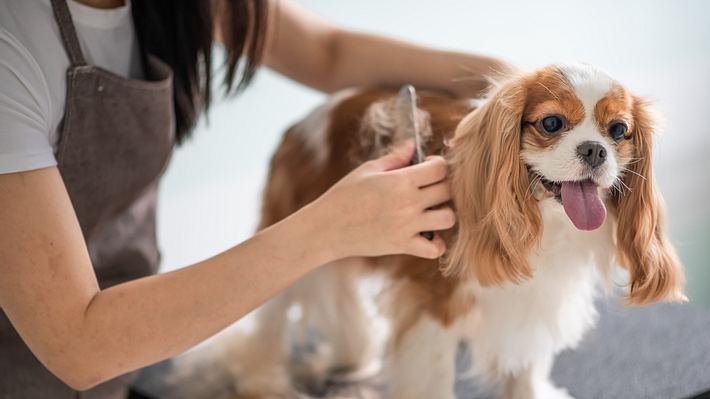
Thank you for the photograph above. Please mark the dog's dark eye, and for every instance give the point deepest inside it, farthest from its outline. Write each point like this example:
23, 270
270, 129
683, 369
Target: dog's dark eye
617, 130
552, 124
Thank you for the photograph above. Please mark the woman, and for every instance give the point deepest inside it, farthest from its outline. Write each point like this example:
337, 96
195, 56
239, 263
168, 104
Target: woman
93, 96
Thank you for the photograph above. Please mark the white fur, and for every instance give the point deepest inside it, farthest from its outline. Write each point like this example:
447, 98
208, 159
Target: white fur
315, 126
587, 79
534, 382
383, 118
521, 325
423, 363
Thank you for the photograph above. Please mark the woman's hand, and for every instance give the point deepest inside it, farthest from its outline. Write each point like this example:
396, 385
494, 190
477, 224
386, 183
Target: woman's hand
381, 207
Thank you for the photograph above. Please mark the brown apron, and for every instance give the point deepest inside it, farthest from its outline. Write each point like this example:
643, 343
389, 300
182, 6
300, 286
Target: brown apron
116, 138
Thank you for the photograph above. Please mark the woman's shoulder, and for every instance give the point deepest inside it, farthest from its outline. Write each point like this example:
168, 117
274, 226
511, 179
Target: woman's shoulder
31, 39
28, 22
27, 109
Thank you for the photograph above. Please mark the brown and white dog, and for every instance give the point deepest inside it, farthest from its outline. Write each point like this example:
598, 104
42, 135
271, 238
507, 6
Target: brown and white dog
533, 171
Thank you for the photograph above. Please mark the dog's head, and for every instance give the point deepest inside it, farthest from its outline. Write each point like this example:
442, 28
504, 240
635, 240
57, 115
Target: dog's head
573, 136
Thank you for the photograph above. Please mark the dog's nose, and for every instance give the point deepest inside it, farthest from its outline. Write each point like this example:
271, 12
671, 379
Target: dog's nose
592, 152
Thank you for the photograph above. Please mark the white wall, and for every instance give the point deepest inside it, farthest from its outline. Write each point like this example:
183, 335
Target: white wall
659, 49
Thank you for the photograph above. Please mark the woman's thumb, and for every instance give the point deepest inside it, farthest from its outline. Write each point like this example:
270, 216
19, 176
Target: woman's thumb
400, 157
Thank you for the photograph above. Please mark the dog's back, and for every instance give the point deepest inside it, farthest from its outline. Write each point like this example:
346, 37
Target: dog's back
351, 128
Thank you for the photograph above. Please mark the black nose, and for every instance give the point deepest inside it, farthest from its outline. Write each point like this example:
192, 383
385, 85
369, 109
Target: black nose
592, 153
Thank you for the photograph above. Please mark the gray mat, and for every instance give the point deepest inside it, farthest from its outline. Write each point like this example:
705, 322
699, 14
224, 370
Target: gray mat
659, 351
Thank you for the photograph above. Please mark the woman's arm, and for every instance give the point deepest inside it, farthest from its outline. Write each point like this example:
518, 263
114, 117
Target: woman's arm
85, 336
306, 48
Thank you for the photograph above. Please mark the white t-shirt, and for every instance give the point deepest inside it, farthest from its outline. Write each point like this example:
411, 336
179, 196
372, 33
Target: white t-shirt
33, 66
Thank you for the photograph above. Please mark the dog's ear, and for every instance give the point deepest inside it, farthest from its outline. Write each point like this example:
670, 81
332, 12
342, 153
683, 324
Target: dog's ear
497, 222
654, 268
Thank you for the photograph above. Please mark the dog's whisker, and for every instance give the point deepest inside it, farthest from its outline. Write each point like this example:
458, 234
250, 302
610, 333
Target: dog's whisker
619, 189
623, 184
534, 181
535, 188
631, 161
616, 187
631, 171
531, 189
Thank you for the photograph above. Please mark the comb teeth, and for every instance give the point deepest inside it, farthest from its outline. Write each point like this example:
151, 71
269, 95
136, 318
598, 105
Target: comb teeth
406, 102
406, 108
407, 118
406, 94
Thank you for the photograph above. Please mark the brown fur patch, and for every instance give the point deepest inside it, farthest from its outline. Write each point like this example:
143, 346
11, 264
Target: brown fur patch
423, 290
617, 105
643, 248
498, 221
549, 93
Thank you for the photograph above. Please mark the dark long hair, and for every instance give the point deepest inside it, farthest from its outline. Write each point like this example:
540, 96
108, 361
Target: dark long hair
180, 32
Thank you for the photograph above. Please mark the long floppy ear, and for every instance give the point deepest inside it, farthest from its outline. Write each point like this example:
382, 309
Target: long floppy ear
498, 222
654, 268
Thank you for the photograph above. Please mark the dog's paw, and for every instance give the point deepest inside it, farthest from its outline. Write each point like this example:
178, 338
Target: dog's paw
310, 362
271, 383
536, 389
258, 370
549, 391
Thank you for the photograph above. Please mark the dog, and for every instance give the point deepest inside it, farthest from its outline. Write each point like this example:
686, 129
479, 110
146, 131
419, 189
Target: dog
552, 181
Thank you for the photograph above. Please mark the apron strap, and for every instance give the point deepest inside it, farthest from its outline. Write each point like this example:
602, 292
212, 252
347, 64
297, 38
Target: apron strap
68, 32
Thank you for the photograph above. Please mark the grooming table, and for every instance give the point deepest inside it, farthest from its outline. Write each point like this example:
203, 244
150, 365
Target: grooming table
659, 351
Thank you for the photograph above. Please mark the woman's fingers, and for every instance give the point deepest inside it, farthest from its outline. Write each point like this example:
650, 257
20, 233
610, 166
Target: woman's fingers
423, 248
382, 206
431, 171
435, 194
437, 219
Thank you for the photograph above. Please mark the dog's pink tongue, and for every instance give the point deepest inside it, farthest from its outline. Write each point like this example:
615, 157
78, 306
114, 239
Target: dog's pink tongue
583, 205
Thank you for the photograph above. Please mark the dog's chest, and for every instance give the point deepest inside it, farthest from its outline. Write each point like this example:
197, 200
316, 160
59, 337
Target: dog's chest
516, 324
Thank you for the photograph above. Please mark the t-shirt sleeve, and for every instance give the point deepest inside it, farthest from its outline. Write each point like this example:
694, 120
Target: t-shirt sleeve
24, 110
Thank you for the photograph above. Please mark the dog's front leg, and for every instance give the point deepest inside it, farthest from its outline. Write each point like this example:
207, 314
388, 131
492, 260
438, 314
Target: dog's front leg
422, 358
534, 382
257, 361
334, 317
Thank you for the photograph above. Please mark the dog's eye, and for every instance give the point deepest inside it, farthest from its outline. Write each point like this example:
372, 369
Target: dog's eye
552, 124
617, 130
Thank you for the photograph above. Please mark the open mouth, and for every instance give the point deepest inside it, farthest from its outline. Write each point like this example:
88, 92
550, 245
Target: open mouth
553, 187
580, 200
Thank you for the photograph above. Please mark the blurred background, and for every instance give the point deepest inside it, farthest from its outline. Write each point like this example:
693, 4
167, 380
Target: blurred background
660, 49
